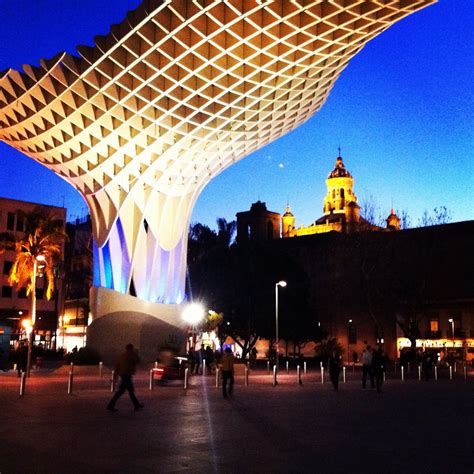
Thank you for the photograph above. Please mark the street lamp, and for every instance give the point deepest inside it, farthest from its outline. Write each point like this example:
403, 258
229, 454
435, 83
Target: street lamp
192, 314
451, 320
281, 283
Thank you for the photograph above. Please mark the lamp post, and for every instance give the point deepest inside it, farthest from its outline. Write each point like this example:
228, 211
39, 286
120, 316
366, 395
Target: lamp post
38, 258
192, 314
451, 320
349, 324
281, 283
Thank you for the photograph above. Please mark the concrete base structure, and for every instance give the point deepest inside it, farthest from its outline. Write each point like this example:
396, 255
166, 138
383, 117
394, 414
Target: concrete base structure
119, 319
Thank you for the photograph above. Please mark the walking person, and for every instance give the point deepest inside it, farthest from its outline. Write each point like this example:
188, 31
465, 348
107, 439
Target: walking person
334, 365
378, 367
367, 367
125, 368
227, 365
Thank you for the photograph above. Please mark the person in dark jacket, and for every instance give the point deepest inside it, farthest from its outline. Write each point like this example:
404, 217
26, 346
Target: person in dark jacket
334, 365
125, 368
378, 367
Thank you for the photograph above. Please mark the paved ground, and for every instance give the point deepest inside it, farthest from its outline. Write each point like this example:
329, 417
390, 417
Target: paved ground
411, 427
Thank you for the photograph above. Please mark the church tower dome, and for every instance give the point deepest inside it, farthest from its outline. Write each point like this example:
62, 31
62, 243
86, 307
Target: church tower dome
393, 221
287, 223
339, 189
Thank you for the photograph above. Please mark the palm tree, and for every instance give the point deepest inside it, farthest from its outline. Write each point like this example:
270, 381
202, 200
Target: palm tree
39, 248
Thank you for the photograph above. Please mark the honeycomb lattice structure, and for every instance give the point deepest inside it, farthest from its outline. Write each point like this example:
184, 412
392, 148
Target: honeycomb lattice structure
173, 95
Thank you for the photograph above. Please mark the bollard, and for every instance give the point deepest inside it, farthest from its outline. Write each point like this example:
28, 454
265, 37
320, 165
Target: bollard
186, 371
321, 364
287, 367
304, 366
69, 383
436, 372
217, 377
268, 366
450, 372
298, 375
151, 379
22, 383
156, 364
408, 366
353, 367
419, 372
204, 367
112, 382
455, 367
344, 373
402, 370
101, 366
246, 377
72, 366
274, 375
465, 373
384, 375
322, 373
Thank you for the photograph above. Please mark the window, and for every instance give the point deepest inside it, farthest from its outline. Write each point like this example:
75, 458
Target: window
7, 291
269, 230
342, 193
39, 293
20, 225
10, 221
22, 293
434, 325
7, 266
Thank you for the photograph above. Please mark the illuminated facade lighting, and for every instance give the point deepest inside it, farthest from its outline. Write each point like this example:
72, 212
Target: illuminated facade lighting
176, 93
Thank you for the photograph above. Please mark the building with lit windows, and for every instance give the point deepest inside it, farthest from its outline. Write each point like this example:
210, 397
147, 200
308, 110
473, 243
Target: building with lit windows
14, 302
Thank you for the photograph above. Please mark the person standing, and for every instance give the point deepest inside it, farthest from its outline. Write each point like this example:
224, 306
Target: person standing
125, 368
227, 364
334, 365
367, 367
378, 367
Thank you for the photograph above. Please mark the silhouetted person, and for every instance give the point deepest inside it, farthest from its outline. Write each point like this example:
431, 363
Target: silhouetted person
191, 360
21, 358
334, 365
209, 358
378, 367
125, 368
367, 367
227, 364
253, 356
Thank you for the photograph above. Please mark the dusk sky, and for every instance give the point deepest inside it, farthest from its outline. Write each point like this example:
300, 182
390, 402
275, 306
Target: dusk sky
402, 113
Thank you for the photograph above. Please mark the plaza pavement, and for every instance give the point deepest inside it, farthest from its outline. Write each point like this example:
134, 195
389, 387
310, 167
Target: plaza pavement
411, 427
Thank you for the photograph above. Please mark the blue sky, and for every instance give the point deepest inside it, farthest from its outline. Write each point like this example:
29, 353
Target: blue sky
402, 112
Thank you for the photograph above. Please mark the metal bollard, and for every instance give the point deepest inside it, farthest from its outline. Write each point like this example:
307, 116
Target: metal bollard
246, 377
408, 364
402, 370
101, 366
204, 367
455, 367
69, 383
275, 375
268, 366
450, 372
112, 382
186, 372
322, 373
22, 383
304, 366
465, 372
419, 372
344, 373
384, 375
287, 367
298, 375
151, 379
156, 364
72, 366
436, 372
217, 377
353, 367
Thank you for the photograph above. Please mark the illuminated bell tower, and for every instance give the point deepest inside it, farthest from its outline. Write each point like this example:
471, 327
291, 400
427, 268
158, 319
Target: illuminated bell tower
287, 223
339, 190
